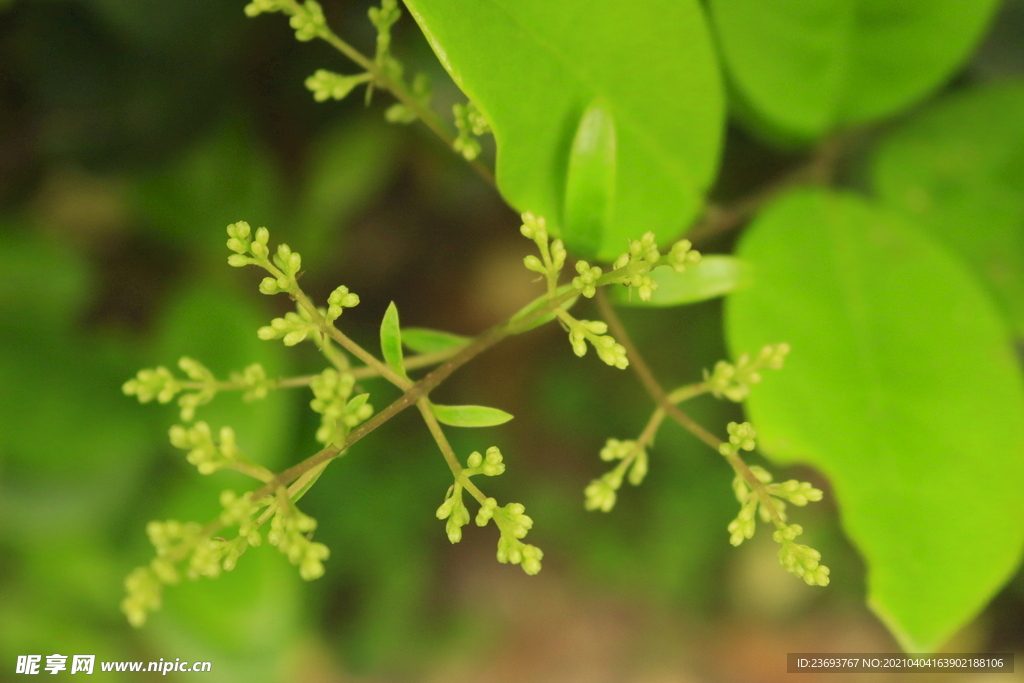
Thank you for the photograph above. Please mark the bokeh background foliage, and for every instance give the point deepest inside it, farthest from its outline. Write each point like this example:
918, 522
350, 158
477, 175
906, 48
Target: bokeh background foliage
131, 133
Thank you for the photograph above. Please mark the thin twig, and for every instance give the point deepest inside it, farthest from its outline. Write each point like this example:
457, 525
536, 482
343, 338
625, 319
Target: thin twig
819, 170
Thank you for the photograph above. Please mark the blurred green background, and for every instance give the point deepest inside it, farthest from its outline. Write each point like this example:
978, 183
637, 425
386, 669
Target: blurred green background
131, 134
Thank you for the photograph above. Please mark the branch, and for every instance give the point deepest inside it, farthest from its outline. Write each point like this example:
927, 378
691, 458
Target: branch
639, 365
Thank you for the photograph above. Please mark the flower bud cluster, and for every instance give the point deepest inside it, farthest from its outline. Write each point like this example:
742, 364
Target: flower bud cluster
166, 538
642, 257
190, 401
253, 381
383, 18
741, 437
291, 329
798, 493
638, 261
240, 512
143, 592
207, 456
734, 381
608, 350
338, 301
290, 531
743, 526
601, 493
552, 255
490, 465
513, 523
586, 281
454, 510
156, 383
257, 7
332, 391
470, 123
800, 560
249, 249
682, 255
327, 85
308, 21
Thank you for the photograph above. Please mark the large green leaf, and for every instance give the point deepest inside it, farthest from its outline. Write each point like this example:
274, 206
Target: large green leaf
533, 67
903, 389
802, 68
958, 168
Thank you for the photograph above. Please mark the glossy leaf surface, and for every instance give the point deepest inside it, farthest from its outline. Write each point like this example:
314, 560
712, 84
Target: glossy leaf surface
469, 416
804, 68
533, 67
902, 388
958, 169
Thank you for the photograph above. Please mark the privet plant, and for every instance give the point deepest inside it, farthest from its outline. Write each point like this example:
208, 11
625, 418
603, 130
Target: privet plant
861, 288
198, 550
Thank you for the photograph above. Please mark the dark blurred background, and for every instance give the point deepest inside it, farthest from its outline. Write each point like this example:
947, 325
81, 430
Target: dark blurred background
131, 134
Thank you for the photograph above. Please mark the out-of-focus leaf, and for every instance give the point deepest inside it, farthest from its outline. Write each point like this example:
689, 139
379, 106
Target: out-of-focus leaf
348, 165
533, 67
227, 177
469, 416
423, 340
801, 69
903, 389
958, 169
391, 340
216, 325
44, 282
713, 276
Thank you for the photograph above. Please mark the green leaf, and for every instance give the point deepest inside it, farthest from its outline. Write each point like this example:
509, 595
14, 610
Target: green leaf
713, 276
423, 340
902, 388
469, 416
45, 283
801, 69
590, 183
226, 177
533, 67
348, 167
391, 340
958, 169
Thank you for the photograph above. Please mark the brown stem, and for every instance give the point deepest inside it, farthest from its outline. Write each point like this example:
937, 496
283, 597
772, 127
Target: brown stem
639, 365
415, 392
819, 169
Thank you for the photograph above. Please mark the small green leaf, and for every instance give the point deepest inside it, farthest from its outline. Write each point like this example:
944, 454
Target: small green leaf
957, 168
590, 183
801, 69
713, 276
423, 340
469, 416
391, 340
903, 388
